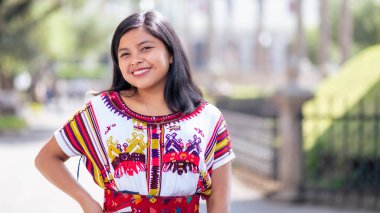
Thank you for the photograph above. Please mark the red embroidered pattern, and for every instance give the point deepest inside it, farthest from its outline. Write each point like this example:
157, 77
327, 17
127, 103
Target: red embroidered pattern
115, 201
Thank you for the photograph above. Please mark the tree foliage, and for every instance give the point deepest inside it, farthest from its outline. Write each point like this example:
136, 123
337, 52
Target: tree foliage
38, 36
366, 28
367, 23
35, 35
17, 21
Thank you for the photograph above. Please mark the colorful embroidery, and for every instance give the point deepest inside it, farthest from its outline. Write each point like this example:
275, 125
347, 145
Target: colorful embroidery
138, 125
113, 150
116, 201
151, 159
114, 104
129, 158
109, 128
223, 143
174, 128
108, 178
130, 164
155, 159
199, 132
204, 183
136, 145
179, 158
81, 136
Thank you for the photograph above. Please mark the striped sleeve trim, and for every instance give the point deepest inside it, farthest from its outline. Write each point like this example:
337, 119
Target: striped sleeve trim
210, 149
70, 136
65, 144
223, 150
80, 136
219, 151
226, 158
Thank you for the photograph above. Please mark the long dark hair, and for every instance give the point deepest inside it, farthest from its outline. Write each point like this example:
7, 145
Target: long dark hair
180, 93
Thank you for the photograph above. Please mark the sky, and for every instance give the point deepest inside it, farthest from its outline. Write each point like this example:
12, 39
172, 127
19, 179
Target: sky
278, 15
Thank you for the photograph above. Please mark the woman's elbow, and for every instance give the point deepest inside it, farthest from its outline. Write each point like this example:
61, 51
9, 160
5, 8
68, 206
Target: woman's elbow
49, 153
39, 160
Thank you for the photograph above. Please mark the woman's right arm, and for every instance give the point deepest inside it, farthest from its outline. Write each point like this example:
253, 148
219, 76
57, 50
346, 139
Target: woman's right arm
50, 162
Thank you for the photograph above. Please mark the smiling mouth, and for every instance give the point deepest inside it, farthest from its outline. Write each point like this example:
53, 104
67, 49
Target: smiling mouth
140, 72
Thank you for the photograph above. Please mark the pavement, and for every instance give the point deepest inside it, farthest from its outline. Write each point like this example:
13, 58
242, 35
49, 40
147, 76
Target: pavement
24, 189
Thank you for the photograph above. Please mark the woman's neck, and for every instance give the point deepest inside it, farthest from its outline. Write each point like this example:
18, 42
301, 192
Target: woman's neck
153, 101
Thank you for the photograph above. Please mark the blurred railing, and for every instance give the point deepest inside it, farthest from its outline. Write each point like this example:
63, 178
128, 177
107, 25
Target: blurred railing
254, 143
342, 167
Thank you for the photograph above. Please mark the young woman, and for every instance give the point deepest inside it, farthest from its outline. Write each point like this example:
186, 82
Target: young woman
150, 141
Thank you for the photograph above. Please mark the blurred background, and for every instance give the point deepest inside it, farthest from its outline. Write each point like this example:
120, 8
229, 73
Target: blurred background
297, 80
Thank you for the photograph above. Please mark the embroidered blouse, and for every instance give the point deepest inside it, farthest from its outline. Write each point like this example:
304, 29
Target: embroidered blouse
148, 162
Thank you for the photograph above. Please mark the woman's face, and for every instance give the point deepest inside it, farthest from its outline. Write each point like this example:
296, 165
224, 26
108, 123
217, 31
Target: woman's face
143, 59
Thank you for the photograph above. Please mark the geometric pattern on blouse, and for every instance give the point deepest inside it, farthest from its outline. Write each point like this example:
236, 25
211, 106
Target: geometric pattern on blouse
181, 145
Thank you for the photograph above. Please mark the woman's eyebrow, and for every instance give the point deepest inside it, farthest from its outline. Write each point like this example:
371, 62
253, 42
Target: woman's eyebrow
144, 42
139, 44
122, 49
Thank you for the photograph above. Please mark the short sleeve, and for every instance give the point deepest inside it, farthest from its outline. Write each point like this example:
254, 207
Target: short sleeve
223, 149
74, 135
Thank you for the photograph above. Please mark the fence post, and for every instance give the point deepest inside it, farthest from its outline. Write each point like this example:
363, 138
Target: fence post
289, 101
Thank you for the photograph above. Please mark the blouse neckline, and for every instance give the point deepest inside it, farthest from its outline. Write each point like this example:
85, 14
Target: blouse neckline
117, 100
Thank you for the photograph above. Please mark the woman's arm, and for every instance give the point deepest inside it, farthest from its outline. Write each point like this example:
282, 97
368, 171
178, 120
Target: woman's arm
50, 162
219, 201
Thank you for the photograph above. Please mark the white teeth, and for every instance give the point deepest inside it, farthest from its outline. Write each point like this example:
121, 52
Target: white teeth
140, 72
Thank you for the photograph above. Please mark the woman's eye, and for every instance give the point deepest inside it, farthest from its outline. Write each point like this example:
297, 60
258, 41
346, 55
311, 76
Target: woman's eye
145, 49
124, 55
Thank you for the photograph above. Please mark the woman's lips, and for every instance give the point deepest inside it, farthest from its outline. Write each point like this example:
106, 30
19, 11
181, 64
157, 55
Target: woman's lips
140, 72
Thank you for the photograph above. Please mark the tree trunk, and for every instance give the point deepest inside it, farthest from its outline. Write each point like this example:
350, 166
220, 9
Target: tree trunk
259, 49
324, 36
345, 31
300, 44
6, 80
8, 104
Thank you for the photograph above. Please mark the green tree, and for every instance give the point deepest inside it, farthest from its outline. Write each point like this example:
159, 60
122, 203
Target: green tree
36, 36
366, 20
346, 28
365, 27
16, 23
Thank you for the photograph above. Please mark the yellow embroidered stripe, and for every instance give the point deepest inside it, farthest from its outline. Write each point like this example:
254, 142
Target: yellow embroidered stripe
96, 175
222, 144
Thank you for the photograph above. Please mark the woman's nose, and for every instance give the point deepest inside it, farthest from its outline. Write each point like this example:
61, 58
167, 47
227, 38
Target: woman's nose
136, 59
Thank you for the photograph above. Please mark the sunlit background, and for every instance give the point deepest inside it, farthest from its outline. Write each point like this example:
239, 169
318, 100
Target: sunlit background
321, 56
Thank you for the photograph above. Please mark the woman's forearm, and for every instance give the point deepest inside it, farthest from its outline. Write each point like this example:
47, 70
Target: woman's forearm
218, 206
50, 162
219, 201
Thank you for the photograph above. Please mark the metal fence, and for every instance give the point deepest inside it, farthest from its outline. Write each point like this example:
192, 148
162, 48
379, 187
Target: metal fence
342, 153
254, 143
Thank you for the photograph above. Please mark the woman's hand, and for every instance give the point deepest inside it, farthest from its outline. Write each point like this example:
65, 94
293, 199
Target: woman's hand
91, 206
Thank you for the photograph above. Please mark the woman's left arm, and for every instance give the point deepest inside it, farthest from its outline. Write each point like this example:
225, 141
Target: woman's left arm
219, 201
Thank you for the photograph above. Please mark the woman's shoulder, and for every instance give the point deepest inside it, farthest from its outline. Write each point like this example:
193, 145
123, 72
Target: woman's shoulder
210, 109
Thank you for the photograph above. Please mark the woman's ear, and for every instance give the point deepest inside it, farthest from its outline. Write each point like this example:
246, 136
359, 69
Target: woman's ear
171, 60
